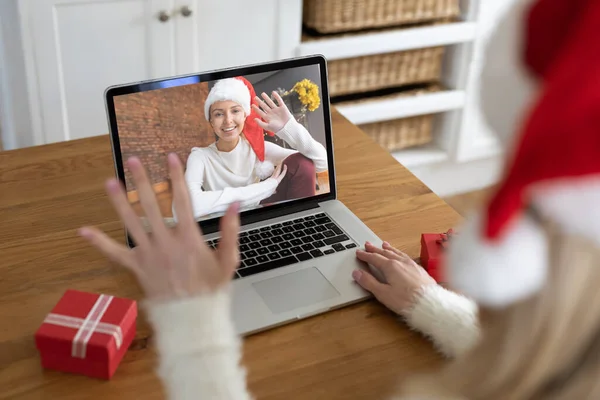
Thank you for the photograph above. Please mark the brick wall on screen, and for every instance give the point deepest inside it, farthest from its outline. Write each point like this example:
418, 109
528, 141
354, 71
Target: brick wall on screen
153, 124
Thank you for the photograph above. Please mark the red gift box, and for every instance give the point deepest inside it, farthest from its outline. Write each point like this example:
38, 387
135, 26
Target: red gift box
87, 334
433, 249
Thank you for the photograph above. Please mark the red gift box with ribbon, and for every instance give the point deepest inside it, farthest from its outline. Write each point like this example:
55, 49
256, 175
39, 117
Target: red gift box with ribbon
433, 248
87, 334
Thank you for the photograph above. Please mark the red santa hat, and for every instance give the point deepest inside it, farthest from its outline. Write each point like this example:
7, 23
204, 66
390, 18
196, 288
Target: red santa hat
501, 255
241, 91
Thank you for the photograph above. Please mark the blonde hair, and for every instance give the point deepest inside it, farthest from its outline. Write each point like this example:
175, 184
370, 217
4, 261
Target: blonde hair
546, 347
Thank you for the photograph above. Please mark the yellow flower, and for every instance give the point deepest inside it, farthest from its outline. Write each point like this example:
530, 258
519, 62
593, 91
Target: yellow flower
308, 94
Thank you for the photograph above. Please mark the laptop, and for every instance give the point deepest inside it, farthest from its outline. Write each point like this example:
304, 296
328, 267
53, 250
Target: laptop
298, 242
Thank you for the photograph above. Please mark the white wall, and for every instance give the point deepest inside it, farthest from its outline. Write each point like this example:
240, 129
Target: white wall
14, 100
479, 160
5, 121
449, 179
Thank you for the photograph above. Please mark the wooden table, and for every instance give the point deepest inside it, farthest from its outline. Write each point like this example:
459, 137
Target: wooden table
47, 192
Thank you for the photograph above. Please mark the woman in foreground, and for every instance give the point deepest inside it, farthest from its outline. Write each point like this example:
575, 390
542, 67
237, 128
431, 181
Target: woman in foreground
529, 259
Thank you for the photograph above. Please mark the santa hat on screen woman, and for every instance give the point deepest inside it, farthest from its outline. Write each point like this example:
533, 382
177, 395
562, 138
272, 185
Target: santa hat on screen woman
241, 91
542, 83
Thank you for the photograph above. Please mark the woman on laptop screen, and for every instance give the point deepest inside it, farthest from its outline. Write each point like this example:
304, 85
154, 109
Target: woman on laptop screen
241, 165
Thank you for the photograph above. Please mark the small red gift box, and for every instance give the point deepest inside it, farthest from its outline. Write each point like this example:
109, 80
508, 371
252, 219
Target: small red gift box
87, 334
433, 248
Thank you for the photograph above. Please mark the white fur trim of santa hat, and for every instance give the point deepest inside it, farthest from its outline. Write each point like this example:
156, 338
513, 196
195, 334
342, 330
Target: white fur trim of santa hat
515, 267
228, 89
573, 205
501, 272
264, 169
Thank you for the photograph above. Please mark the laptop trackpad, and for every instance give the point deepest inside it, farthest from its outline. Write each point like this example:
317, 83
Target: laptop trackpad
297, 289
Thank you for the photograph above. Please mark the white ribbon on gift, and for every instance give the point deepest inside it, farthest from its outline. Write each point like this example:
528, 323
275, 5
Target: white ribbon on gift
87, 326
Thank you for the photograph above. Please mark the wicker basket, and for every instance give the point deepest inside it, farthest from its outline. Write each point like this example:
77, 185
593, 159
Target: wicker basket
362, 74
329, 16
400, 133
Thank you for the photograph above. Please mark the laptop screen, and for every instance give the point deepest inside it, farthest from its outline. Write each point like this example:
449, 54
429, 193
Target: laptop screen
234, 147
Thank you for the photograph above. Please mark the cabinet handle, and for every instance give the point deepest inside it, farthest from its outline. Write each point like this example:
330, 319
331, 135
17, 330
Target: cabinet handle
185, 11
163, 16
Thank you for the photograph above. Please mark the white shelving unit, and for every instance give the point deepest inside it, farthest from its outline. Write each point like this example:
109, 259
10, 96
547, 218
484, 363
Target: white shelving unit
420, 156
389, 109
452, 147
395, 40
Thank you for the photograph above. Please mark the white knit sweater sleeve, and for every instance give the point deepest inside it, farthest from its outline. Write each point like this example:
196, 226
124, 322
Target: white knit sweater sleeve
276, 154
296, 135
199, 352
212, 201
448, 319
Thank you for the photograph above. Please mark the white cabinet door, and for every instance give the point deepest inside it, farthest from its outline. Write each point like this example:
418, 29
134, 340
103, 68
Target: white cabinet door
74, 49
226, 33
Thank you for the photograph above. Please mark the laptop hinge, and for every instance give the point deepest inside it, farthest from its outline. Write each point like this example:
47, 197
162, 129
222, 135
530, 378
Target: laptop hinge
213, 225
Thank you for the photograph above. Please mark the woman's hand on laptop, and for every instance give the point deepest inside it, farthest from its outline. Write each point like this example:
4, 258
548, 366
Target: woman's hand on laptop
404, 278
170, 262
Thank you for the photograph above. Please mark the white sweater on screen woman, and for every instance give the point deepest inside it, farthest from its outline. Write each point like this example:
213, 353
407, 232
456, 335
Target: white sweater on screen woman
215, 178
200, 352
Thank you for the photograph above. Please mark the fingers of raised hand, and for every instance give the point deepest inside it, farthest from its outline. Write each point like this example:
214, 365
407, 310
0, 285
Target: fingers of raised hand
228, 250
181, 198
147, 197
262, 124
268, 100
259, 111
110, 248
263, 106
279, 99
130, 219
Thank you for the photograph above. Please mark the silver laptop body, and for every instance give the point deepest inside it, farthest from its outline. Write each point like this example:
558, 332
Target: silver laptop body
281, 295
308, 288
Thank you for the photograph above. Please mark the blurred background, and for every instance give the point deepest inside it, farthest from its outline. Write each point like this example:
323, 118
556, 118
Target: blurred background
405, 71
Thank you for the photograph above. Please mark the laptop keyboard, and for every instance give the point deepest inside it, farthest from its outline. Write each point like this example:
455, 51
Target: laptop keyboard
287, 243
